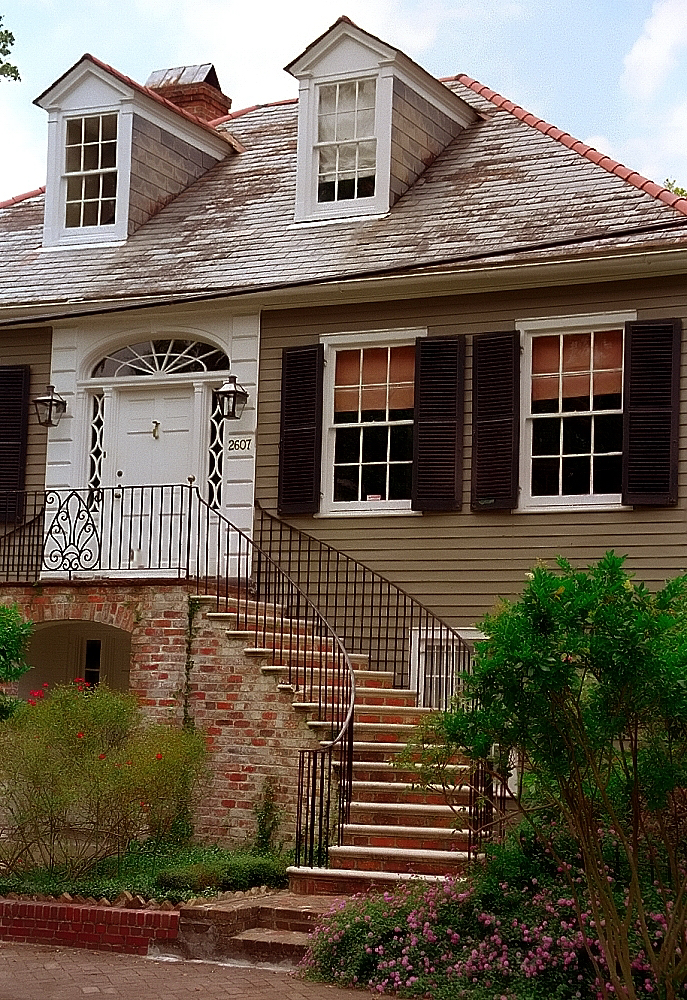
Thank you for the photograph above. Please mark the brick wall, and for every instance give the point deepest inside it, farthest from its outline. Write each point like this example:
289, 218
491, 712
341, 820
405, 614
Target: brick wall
104, 928
253, 734
419, 132
252, 731
161, 167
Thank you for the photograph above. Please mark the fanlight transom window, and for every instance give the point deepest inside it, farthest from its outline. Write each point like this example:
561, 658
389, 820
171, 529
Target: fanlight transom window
162, 357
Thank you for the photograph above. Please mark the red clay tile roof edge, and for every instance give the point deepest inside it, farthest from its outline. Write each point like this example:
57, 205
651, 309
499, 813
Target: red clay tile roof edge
22, 197
608, 163
253, 107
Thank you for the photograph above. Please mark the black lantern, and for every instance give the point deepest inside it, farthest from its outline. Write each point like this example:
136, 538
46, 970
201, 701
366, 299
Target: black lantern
50, 408
232, 399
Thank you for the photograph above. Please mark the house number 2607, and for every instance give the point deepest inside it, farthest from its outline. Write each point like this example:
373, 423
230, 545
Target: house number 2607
238, 444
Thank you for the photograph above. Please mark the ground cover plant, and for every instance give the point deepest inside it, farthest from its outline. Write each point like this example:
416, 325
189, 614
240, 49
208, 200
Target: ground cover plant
583, 684
82, 776
155, 869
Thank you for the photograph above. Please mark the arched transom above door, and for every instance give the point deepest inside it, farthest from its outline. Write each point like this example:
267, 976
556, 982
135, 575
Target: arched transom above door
162, 357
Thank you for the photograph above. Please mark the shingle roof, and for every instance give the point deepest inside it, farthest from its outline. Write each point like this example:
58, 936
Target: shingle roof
501, 190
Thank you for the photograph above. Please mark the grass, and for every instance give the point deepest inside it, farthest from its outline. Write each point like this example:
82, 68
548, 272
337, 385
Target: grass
160, 871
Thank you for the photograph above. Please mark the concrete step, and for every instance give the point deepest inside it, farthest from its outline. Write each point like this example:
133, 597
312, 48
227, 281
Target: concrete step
380, 771
397, 860
416, 838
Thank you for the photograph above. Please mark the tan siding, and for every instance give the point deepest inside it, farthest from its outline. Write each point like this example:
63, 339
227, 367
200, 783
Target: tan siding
460, 563
31, 347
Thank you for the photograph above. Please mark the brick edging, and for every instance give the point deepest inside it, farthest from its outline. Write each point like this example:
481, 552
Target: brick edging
78, 926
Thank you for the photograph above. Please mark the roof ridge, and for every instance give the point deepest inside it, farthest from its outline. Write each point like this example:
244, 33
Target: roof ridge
633, 177
253, 107
22, 197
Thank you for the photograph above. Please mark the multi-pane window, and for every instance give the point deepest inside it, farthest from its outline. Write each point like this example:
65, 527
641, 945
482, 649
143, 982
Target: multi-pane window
576, 414
91, 169
346, 145
373, 424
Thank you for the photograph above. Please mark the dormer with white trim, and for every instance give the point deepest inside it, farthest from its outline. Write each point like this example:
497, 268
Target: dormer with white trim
370, 120
117, 153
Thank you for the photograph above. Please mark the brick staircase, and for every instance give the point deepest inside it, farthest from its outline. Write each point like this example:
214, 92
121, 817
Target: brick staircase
395, 831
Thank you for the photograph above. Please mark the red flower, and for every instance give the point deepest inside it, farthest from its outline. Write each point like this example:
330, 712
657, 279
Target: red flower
79, 736
46, 685
129, 763
32, 701
101, 756
78, 680
158, 756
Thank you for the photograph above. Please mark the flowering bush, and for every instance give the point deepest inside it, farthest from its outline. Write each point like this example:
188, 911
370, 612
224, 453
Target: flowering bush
479, 938
81, 776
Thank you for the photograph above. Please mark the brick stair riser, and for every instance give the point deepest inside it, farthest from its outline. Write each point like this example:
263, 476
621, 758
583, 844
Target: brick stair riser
264, 952
370, 813
362, 771
391, 698
391, 794
417, 842
396, 864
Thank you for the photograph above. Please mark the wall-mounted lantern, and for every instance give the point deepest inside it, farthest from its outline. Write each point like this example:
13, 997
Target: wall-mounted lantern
232, 399
50, 408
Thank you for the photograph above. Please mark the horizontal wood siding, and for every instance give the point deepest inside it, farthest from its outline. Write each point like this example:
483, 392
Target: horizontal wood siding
33, 348
460, 563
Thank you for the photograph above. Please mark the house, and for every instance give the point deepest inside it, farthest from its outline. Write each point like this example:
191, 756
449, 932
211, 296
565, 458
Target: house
329, 376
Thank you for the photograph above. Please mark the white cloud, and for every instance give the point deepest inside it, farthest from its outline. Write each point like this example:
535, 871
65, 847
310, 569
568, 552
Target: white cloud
653, 55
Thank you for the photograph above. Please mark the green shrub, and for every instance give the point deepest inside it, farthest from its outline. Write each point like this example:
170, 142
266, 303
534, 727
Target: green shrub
81, 776
236, 873
15, 634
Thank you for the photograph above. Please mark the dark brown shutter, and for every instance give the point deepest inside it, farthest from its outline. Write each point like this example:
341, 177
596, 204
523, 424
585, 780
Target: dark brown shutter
300, 443
495, 421
438, 432
650, 412
14, 423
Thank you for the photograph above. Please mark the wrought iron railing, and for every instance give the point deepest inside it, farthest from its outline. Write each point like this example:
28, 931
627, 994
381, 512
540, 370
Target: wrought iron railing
398, 634
306, 603
172, 531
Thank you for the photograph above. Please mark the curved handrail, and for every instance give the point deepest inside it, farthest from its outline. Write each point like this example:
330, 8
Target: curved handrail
246, 576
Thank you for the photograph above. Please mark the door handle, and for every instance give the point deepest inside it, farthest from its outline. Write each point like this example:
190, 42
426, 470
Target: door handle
156, 429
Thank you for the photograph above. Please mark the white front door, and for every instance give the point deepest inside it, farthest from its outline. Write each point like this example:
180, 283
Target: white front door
154, 454
154, 436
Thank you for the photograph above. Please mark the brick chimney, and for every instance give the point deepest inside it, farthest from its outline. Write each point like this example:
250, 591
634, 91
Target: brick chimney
193, 88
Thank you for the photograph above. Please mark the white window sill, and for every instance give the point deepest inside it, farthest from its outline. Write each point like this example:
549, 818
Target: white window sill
375, 512
570, 508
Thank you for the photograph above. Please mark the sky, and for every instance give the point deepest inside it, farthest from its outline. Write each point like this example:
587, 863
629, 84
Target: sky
610, 72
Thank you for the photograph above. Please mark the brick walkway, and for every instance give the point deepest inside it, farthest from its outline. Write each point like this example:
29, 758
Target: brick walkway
32, 972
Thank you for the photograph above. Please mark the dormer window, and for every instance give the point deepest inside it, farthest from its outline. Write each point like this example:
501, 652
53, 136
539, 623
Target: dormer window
370, 121
91, 171
346, 143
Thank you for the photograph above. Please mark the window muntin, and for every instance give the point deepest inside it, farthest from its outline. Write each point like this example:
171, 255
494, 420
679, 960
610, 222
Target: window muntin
346, 144
373, 424
91, 169
162, 357
575, 412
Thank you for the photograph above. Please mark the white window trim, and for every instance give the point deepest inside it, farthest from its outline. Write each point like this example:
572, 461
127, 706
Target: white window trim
581, 322
55, 232
332, 343
308, 209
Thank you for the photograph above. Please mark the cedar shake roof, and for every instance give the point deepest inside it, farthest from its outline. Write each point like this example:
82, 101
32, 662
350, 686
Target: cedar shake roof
502, 191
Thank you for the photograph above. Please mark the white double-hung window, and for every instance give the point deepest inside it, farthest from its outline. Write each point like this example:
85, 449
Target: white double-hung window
369, 411
91, 171
346, 144
572, 412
